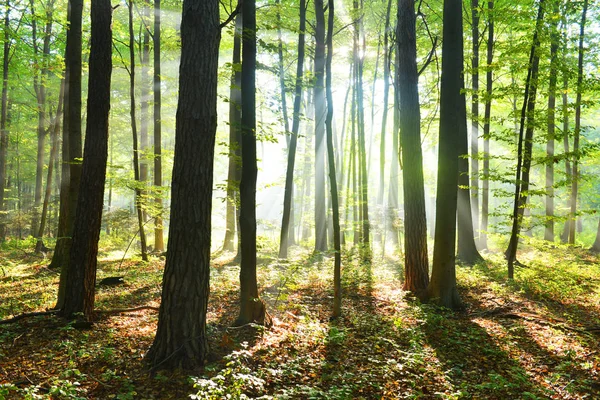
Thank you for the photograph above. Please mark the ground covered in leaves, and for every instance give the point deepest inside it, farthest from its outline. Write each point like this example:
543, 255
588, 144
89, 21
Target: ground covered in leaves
533, 338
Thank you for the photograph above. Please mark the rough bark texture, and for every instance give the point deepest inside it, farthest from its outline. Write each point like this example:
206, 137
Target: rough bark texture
416, 263
159, 244
442, 287
80, 289
289, 176
525, 146
72, 148
319, 101
235, 120
181, 334
252, 309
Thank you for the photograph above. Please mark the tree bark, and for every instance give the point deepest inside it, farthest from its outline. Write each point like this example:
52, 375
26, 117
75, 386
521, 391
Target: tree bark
442, 287
289, 177
80, 289
577, 131
474, 184
159, 244
4, 118
136, 163
252, 308
72, 149
144, 107
319, 101
416, 263
181, 339
489, 80
525, 145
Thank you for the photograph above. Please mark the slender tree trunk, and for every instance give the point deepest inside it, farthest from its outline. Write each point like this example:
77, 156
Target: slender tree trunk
525, 146
144, 106
577, 131
159, 244
474, 184
416, 263
489, 79
289, 178
337, 280
80, 290
554, 41
181, 339
319, 99
564, 237
72, 149
235, 115
4, 118
136, 162
55, 135
252, 308
442, 287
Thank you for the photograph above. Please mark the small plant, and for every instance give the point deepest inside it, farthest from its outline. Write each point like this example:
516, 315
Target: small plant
231, 382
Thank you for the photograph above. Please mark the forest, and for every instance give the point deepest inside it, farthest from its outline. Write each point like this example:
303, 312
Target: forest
300, 199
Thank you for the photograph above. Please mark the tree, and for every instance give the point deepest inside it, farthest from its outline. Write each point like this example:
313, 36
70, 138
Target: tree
525, 145
442, 287
474, 184
80, 288
320, 111
291, 161
136, 162
159, 244
71, 149
181, 333
337, 279
235, 116
577, 131
252, 309
489, 80
416, 264
4, 114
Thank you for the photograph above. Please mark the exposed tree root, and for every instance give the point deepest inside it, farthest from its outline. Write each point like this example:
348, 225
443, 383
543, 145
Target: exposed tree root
53, 312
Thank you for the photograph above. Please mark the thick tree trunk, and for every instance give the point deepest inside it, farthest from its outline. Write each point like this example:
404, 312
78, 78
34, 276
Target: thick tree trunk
289, 177
235, 115
159, 244
577, 131
416, 263
252, 309
181, 339
136, 162
525, 146
319, 100
485, 183
80, 289
442, 287
72, 149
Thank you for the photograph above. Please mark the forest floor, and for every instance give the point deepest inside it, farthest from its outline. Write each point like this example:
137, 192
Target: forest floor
532, 338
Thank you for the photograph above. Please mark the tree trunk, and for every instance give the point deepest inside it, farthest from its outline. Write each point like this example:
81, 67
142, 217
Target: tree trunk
382, 148
577, 131
416, 263
4, 119
525, 145
235, 115
55, 135
485, 183
289, 177
554, 41
144, 106
337, 279
442, 287
181, 339
474, 184
159, 244
252, 308
319, 100
80, 289
136, 162
596, 246
72, 149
